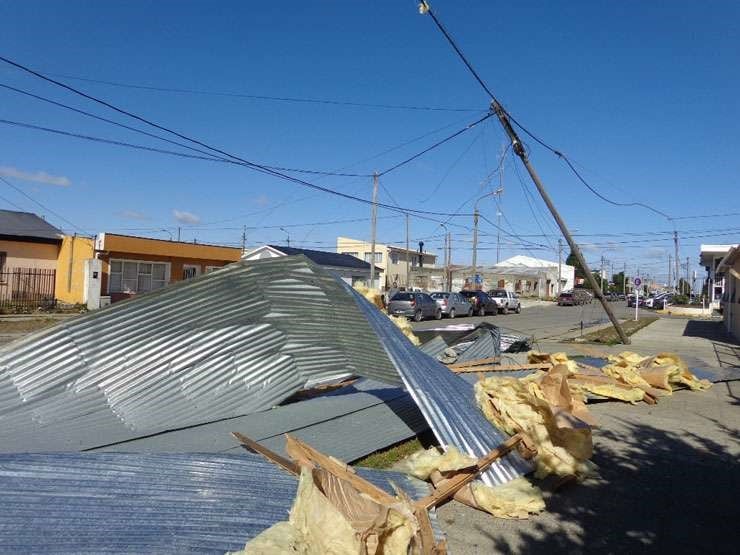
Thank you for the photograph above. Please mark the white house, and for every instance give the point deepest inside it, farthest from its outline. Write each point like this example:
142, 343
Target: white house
352, 270
710, 257
528, 275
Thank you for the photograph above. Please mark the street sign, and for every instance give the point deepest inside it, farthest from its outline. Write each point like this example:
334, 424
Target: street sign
638, 282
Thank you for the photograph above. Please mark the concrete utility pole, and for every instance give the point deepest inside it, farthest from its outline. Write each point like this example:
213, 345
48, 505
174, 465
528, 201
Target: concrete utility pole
687, 274
178, 234
670, 269
244, 239
408, 277
560, 266
449, 261
601, 271
675, 246
373, 229
624, 279
520, 151
476, 216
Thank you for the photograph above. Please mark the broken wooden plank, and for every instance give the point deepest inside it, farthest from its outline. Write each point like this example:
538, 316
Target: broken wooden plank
302, 451
502, 367
251, 445
442, 494
477, 362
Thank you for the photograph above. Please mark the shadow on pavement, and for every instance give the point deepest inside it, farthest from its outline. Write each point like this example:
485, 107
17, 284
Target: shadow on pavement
658, 491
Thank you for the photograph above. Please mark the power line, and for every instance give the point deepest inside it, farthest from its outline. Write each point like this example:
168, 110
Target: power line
302, 100
49, 210
410, 211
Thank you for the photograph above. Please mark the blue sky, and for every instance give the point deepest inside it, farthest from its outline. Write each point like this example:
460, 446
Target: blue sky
642, 95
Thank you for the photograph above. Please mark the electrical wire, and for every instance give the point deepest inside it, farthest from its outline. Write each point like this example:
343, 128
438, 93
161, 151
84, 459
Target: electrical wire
302, 100
47, 209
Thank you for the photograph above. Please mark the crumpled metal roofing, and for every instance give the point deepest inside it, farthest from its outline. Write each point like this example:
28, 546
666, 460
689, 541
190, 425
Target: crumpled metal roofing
446, 400
132, 503
231, 342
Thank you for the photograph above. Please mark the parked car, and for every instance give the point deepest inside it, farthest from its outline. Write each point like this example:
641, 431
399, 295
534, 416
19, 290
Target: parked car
566, 298
452, 304
482, 303
414, 305
583, 296
505, 300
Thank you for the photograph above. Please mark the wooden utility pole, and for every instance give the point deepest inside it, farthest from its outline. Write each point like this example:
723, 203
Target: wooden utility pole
244, 239
373, 229
520, 151
475, 241
449, 261
624, 280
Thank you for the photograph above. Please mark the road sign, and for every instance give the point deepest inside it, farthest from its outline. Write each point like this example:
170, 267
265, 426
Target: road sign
638, 282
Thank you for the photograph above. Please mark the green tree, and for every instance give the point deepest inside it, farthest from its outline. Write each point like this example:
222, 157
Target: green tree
618, 283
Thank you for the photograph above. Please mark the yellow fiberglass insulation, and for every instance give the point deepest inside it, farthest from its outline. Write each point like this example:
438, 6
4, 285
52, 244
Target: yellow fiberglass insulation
405, 326
563, 445
372, 295
683, 375
553, 358
316, 526
612, 391
515, 499
422, 463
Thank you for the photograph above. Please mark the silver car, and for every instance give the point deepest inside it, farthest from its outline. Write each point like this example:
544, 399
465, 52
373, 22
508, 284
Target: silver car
414, 305
452, 304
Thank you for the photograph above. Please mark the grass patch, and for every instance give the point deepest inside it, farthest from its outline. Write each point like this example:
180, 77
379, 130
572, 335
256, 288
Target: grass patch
386, 458
26, 326
608, 336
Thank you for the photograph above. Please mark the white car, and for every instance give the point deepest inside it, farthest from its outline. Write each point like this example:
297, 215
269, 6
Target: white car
505, 300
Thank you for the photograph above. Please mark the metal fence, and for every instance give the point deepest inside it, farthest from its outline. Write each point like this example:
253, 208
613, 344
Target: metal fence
26, 288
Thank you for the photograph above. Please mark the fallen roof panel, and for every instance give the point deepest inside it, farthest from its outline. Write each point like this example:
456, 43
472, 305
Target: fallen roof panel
132, 503
446, 400
232, 342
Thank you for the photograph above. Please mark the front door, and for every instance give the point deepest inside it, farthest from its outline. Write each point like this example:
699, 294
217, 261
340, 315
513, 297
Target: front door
189, 271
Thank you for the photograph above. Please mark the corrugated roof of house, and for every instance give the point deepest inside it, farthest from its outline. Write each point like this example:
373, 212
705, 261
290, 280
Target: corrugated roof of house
26, 224
324, 258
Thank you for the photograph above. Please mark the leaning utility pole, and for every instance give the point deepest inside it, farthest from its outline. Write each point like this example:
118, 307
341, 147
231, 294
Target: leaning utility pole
520, 151
408, 277
560, 266
675, 246
373, 228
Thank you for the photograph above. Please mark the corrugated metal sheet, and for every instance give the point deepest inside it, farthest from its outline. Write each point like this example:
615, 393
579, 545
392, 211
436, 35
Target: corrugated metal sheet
446, 400
434, 347
349, 423
123, 503
232, 342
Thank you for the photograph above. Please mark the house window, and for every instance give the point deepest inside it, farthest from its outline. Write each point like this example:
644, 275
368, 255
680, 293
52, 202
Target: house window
394, 258
132, 276
378, 257
351, 253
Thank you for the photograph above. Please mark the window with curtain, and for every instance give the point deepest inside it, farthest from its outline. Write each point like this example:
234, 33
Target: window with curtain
132, 276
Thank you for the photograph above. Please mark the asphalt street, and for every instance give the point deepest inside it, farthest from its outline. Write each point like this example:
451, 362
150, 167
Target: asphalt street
543, 322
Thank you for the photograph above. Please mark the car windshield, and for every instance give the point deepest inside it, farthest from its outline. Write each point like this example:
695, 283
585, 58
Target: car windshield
498, 293
566, 294
403, 297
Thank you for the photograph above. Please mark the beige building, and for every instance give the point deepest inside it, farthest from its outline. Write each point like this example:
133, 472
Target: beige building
390, 260
729, 269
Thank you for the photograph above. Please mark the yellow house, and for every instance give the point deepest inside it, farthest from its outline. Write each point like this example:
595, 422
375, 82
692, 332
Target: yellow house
120, 266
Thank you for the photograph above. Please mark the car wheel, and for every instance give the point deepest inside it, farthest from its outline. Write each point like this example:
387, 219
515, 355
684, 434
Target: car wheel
452, 313
438, 315
482, 311
518, 309
504, 310
417, 316
470, 312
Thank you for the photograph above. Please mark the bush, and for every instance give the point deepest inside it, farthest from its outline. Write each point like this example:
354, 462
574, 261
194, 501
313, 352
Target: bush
681, 299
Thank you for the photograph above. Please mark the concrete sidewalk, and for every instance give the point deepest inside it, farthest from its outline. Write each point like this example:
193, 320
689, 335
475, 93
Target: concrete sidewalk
699, 342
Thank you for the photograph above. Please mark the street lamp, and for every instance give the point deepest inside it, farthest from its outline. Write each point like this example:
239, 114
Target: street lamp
286, 232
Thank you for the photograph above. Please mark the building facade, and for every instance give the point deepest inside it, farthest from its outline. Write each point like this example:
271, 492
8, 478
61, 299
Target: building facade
729, 267
127, 265
710, 256
390, 260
